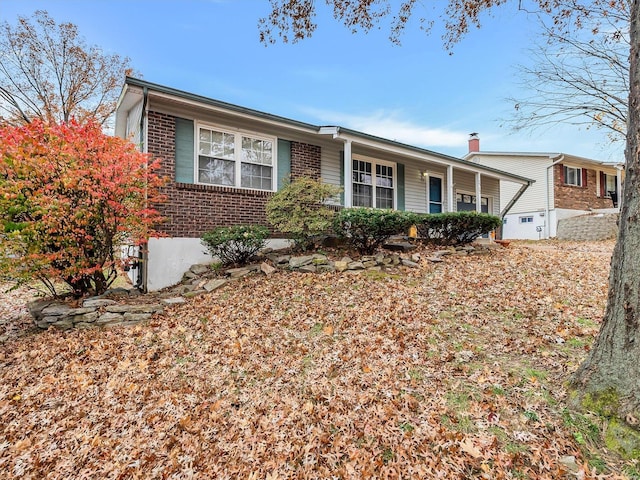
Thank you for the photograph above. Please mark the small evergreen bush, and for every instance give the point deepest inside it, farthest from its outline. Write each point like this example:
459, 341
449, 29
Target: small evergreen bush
366, 229
299, 209
237, 244
455, 228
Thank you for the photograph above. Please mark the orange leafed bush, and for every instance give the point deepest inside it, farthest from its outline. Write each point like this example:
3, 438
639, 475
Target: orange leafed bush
70, 195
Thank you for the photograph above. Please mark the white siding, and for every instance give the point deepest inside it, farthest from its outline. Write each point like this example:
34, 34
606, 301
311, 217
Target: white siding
464, 181
330, 163
134, 118
529, 166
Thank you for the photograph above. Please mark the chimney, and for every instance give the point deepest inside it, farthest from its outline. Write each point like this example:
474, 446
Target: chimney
474, 142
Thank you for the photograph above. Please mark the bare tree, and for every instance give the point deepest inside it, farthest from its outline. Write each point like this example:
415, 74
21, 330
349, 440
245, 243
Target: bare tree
48, 71
580, 77
609, 379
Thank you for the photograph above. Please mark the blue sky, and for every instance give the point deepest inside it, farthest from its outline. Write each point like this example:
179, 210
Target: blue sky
416, 93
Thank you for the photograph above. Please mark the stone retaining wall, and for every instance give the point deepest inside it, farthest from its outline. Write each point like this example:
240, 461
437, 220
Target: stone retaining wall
590, 227
93, 313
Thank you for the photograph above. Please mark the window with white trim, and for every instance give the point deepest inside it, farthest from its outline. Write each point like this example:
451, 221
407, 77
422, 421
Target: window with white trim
573, 176
235, 159
365, 193
528, 219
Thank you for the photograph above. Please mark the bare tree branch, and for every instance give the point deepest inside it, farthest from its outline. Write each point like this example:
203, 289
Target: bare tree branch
48, 71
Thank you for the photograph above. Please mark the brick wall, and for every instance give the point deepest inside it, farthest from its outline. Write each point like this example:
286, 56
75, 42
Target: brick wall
305, 160
190, 209
578, 198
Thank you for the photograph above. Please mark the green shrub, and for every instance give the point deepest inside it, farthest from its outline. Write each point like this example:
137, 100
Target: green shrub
455, 228
366, 229
235, 245
298, 210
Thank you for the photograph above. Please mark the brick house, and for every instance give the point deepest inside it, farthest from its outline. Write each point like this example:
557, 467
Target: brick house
225, 161
566, 186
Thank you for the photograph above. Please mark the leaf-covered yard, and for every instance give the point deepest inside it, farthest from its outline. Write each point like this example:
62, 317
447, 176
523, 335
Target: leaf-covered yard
452, 370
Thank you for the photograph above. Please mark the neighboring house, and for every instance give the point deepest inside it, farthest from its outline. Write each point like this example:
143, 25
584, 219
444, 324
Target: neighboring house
565, 186
224, 162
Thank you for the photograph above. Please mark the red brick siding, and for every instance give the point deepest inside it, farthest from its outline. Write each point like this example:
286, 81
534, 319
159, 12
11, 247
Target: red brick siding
305, 160
578, 198
190, 209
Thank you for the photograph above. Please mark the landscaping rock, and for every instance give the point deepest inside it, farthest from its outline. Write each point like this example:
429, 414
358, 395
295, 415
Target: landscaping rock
326, 268
242, 271
266, 268
308, 269
173, 300
399, 246
212, 285
55, 310
435, 259
340, 265
297, 262
199, 269
142, 308
64, 324
136, 317
86, 317
97, 302
118, 292
356, 266
408, 263
320, 260
108, 317
81, 311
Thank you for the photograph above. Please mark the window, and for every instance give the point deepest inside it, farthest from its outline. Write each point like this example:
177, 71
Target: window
467, 203
610, 185
573, 176
365, 193
528, 219
235, 160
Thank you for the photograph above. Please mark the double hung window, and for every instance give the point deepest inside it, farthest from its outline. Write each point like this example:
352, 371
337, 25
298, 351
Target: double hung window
235, 159
373, 184
573, 176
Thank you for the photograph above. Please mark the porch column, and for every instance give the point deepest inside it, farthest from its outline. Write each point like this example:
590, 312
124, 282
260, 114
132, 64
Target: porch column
348, 175
478, 193
450, 193
619, 186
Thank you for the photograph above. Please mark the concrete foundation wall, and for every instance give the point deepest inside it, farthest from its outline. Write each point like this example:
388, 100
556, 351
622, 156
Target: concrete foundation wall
170, 258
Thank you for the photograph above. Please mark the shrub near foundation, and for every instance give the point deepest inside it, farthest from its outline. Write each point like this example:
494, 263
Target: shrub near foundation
366, 229
237, 244
299, 209
455, 228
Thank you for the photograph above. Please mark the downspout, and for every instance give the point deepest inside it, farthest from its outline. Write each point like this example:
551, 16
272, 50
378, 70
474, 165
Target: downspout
515, 198
556, 160
144, 252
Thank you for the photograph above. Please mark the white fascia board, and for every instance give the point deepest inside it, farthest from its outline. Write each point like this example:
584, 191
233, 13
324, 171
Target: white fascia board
430, 159
248, 116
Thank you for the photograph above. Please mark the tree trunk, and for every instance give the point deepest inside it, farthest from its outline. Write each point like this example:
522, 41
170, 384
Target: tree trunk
609, 379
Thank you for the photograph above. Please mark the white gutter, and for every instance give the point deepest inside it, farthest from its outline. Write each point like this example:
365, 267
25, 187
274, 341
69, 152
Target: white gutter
556, 160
